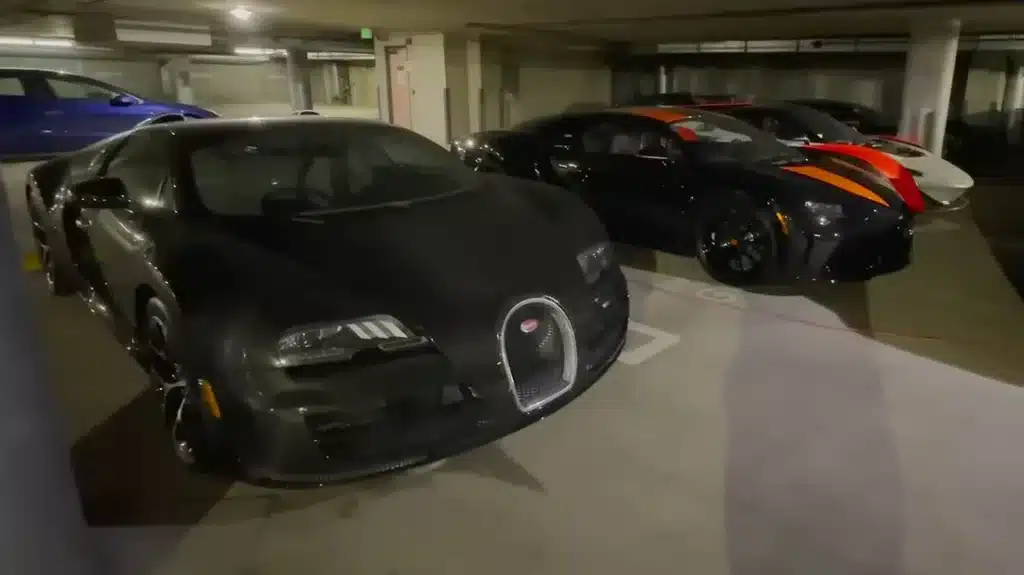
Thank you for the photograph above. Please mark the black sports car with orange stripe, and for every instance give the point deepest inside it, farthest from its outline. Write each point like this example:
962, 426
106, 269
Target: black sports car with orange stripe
695, 182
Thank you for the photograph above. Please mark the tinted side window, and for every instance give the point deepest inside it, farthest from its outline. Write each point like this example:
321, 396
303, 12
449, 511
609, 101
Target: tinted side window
141, 164
563, 135
783, 126
11, 85
598, 138
75, 89
631, 139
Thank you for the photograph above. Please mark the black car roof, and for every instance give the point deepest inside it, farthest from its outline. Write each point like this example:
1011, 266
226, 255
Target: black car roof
217, 125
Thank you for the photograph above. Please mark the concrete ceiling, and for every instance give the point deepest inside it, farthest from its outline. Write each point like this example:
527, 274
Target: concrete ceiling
583, 20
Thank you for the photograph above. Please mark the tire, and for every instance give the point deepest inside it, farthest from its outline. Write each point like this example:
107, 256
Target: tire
58, 279
748, 255
194, 435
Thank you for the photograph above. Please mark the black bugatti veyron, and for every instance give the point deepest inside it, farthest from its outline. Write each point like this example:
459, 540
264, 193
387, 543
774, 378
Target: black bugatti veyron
318, 299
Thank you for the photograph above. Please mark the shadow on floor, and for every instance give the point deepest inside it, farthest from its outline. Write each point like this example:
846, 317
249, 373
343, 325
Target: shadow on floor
998, 212
947, 306
778, 519
129, 480
127, 474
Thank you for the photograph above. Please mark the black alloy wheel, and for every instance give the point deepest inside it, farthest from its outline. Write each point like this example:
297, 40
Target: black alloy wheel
735, 243
181, 405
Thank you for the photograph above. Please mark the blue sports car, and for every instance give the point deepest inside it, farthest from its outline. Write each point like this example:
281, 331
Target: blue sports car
43, 112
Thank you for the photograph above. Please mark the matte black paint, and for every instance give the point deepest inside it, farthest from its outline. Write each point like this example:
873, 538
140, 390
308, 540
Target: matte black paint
656, 202
447, 268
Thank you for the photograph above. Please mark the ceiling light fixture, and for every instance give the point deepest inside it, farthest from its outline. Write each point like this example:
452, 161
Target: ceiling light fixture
37, 42
241, 13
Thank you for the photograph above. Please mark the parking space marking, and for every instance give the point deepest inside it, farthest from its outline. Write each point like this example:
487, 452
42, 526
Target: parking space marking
720, 295
660, 341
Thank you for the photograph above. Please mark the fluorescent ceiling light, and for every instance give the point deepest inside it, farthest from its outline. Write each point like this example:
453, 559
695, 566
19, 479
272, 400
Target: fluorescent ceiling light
39, 42
339, 56
247, 51
278, 52
241, 13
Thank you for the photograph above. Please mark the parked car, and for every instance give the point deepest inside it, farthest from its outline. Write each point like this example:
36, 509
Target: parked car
752, 209
941, 181
45, 112
960, 138
317, 299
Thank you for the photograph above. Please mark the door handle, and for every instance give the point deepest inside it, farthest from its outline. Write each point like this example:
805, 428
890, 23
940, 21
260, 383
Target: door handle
82, 223
54, 112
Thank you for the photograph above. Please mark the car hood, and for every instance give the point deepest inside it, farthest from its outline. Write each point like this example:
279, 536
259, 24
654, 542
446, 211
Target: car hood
442, 265
886, 165
937, 177
821, 179
178, 108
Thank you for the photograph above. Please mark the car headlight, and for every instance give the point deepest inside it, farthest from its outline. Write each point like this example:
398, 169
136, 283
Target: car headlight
824, 214
340, 341
594, 260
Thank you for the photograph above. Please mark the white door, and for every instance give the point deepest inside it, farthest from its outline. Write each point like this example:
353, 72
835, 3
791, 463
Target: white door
398, 86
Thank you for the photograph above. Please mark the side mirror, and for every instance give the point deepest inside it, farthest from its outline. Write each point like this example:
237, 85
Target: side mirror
101, 193
122, 100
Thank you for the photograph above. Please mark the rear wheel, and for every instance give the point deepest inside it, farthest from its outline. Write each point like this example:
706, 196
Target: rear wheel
736, 243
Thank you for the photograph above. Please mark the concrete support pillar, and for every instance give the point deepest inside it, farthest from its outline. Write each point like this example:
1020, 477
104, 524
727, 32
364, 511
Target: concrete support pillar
475, 85
663, 80
176, 78
1014, 101
41, 525
332, 83
298, 80
430, 83
928, 82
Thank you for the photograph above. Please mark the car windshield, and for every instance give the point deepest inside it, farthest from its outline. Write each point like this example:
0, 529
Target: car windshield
826, 127
717, 137
319, 169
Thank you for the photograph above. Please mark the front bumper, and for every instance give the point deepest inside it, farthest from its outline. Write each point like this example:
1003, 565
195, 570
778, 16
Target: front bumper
408, 411
858, 250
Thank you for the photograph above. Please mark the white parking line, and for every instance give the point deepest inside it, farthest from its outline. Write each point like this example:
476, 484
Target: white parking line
660, 341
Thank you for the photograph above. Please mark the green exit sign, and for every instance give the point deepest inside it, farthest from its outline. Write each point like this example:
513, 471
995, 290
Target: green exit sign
366, 34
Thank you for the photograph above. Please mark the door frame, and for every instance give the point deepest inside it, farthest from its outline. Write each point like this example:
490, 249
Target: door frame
389, 52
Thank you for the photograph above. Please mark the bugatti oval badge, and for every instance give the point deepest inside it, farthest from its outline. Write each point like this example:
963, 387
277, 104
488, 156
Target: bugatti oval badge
529, 326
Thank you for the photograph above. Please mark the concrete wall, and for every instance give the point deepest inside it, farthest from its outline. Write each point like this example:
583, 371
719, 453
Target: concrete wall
362, 78
875, 80
456, 66
141, 77
984, 89
551, 80
493, 99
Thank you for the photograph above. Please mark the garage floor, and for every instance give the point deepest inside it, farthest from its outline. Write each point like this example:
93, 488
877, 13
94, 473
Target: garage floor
845, 430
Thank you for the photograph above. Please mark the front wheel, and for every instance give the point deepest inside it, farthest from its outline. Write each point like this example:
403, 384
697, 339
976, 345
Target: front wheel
58, 282
736, 242
193, 431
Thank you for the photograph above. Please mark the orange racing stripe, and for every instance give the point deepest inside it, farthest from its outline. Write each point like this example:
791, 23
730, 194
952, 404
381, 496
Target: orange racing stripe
845, 184
666, 114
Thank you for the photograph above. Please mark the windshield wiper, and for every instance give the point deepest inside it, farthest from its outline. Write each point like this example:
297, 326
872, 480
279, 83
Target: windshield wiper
397, 205
403, 204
